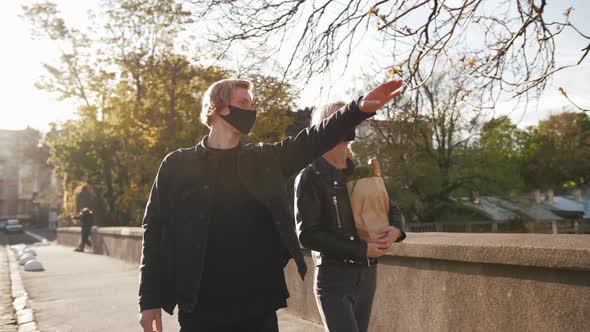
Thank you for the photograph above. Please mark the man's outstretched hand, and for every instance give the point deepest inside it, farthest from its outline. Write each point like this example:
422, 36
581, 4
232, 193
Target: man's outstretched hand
379, 96
147, 319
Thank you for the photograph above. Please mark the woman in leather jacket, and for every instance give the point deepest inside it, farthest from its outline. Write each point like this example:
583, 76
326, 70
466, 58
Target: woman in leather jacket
345, 266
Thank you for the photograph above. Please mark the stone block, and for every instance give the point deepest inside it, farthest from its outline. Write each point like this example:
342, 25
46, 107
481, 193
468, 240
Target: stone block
30, 251
25, 258
34, 266
24, 316
28, 327
20, 303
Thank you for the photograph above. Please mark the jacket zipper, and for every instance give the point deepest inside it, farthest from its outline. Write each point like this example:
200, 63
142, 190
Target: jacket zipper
337, 212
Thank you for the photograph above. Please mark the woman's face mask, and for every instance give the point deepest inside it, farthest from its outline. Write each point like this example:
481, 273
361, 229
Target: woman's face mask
239, 118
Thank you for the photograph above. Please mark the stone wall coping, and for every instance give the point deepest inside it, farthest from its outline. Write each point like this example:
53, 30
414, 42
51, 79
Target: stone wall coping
68, 230
561, 251
120, 231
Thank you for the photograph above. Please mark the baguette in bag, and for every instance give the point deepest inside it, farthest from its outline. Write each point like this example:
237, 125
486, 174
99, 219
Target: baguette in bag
370, 204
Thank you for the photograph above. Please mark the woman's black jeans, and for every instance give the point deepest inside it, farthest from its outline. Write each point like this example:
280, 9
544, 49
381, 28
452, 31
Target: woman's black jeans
344, 294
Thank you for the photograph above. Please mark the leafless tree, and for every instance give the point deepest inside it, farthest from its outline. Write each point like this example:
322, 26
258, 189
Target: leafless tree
435, 125
503, 47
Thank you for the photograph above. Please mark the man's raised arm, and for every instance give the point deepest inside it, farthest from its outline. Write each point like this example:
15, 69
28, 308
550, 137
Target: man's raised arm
312, 142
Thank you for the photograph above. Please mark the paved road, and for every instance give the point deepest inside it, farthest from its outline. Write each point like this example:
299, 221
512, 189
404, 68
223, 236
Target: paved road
10, 239
87, 292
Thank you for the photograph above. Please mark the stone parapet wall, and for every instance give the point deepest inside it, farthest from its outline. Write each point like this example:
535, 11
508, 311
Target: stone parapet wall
446, 281
68, 236
119, 242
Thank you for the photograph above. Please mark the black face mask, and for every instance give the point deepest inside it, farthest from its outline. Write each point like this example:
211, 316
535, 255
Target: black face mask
239, 118
351, 136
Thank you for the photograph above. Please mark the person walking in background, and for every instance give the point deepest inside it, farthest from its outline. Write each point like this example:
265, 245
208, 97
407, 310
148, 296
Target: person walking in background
345, 265
218, 230
86, 217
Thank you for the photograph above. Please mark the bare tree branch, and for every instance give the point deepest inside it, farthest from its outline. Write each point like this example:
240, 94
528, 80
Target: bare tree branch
498, 46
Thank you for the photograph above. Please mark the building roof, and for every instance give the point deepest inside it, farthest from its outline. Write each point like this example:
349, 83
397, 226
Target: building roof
500, 209
489, 207
561, 203
584, 204
529, 208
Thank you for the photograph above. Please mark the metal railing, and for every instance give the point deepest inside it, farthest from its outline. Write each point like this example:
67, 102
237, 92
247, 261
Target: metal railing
565, 226
468, 227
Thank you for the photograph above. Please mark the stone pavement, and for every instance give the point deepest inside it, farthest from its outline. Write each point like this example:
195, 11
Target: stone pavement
7, 315
87, 292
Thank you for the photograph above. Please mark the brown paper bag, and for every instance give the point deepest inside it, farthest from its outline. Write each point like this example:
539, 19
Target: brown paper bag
370, 207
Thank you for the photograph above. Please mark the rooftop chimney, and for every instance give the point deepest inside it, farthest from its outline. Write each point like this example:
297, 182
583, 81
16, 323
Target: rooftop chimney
537, 194
475, 197
550, 196
578, 194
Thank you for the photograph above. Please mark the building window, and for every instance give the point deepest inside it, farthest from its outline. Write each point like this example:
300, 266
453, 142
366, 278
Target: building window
24, 207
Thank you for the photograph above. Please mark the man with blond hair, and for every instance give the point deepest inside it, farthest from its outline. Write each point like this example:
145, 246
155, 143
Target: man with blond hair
218, 229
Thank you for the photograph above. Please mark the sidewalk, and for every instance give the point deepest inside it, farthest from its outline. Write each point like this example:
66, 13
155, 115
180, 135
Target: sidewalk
86, 292
7, 316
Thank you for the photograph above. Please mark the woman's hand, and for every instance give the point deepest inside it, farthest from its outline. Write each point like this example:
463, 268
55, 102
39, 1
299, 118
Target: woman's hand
391, 236
373, 250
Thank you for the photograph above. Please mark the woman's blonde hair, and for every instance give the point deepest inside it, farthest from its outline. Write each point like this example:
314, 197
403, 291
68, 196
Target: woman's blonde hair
324, 112
218, 96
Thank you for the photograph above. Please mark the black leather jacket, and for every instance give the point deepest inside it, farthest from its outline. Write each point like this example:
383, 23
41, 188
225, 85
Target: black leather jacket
179, 207
324, 216
86, 219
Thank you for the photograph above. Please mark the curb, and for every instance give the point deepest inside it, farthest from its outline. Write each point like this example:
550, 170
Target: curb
24, 314
36, 237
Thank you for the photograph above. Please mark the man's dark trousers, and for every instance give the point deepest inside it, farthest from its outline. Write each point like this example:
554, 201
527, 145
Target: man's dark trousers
263, 323
85, 241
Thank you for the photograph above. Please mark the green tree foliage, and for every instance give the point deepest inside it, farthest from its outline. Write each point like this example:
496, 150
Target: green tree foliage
138, 100
436, 149
557, 152
500, 152
274, 100
29, 147
502, 137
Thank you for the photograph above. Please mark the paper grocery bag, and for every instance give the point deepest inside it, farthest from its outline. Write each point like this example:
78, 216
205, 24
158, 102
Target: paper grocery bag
370, 207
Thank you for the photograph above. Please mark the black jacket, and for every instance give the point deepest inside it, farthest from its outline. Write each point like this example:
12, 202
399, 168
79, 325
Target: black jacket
86, 219
177, 214
323, 213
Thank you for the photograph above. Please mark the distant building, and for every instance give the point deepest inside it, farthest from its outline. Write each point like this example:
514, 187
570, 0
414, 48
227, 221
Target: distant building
535, 206
29, 189
491, 207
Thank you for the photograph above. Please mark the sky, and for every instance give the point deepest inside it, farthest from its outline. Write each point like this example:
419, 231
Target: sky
574, 80
22, 57
21, 61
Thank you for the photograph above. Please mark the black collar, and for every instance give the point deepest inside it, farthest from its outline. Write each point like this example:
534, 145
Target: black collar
323, 167
202, 149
